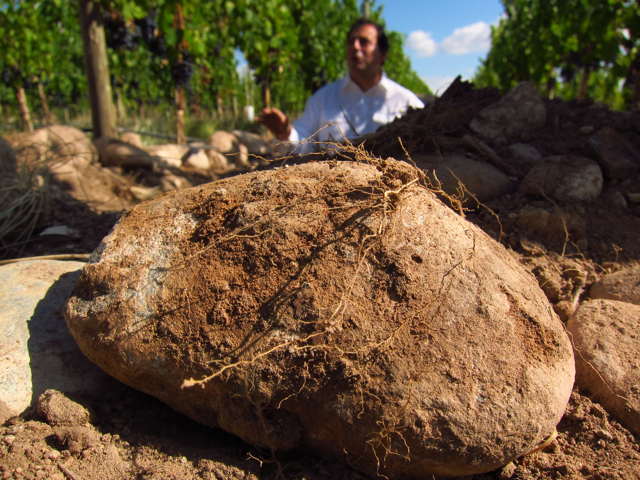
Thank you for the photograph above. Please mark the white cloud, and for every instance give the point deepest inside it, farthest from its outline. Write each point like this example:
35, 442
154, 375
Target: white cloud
437, 84
422, 43
472, 38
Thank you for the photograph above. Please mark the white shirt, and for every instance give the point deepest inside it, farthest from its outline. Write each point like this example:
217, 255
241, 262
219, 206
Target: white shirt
349, 112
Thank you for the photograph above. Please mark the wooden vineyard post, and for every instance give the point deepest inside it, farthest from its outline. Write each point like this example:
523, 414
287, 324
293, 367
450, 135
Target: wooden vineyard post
584, 84
43, 101
180, 115
27, 125
97, 69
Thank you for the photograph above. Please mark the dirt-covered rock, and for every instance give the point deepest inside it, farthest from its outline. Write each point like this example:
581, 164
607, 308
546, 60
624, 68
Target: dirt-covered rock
615, 155
61, 411
605, 337
332, 306
483, 181
623, 285
520, 111
116, 153
564, 177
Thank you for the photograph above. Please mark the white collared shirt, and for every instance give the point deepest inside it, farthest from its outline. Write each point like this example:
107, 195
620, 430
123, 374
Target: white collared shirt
349, 112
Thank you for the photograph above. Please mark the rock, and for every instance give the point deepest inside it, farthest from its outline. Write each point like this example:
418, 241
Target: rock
482, 180
564, 177
586, 130
219, 164
132, 138
60, 411
526, 154
77, 439
229, 145
520, 111
616, 199
533, 218
617, 158
57, 144
38, 351
197, 158
8, 162
607, 355
169, 155
116, 153
6, 412
333, 315
254, 143
623, 285
170, 182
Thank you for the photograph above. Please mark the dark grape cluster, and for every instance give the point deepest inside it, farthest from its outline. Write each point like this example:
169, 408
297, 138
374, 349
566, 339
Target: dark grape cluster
6, 76
182, 71
119, 36
148, 26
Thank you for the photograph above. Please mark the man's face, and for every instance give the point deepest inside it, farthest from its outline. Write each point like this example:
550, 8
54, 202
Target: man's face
363, 54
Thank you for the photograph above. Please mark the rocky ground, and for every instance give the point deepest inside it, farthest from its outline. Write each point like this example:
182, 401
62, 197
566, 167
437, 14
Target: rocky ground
567, 240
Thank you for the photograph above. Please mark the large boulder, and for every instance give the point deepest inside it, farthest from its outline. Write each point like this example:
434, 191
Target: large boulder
520, 111
605, 337
338, 307
623, 285
615, 155
38, 353
564, 177
483, 181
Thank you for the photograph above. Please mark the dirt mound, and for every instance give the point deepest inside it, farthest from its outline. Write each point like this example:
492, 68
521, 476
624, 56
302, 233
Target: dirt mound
333, 306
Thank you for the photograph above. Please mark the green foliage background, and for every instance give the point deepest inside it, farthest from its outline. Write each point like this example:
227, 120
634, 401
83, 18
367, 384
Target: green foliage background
291, 45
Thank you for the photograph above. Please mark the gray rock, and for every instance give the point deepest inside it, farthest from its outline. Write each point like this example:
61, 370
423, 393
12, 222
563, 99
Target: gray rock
615, 155
607, 345
38, 351
564, 177
482, 180
520, 111
616, 199
524, 153
623, 286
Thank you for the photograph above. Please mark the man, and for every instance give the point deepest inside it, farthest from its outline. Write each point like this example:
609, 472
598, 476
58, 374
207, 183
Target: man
354, 105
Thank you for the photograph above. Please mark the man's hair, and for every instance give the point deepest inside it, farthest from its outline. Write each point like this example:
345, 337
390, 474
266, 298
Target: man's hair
383, 41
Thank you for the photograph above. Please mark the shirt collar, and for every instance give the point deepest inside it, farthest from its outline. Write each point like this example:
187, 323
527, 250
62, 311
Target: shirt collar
348, 83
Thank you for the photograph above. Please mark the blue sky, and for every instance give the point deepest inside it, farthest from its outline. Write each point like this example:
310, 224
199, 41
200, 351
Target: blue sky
444, 38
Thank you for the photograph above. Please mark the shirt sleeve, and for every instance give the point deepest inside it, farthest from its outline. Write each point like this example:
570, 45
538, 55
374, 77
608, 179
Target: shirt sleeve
304, 128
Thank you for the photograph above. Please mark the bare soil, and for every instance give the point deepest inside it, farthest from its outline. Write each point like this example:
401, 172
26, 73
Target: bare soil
139, 437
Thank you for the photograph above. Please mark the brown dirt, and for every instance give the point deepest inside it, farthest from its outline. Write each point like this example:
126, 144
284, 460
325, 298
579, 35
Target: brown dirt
139, 437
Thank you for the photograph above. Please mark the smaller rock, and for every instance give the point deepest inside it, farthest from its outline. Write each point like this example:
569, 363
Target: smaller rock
533, 218
9, 439
608, 353
520, 111
586, 130
132, 138
168, 156
229, 145
117, 153
616, 199
507, 472
524, 153
604, 435
59, 410
623, 285
564, 177
197, 158
62, 230
615, 155
77, 439
254, 143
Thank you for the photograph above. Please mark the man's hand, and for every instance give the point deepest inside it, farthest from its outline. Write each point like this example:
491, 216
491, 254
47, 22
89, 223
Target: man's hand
276, 121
